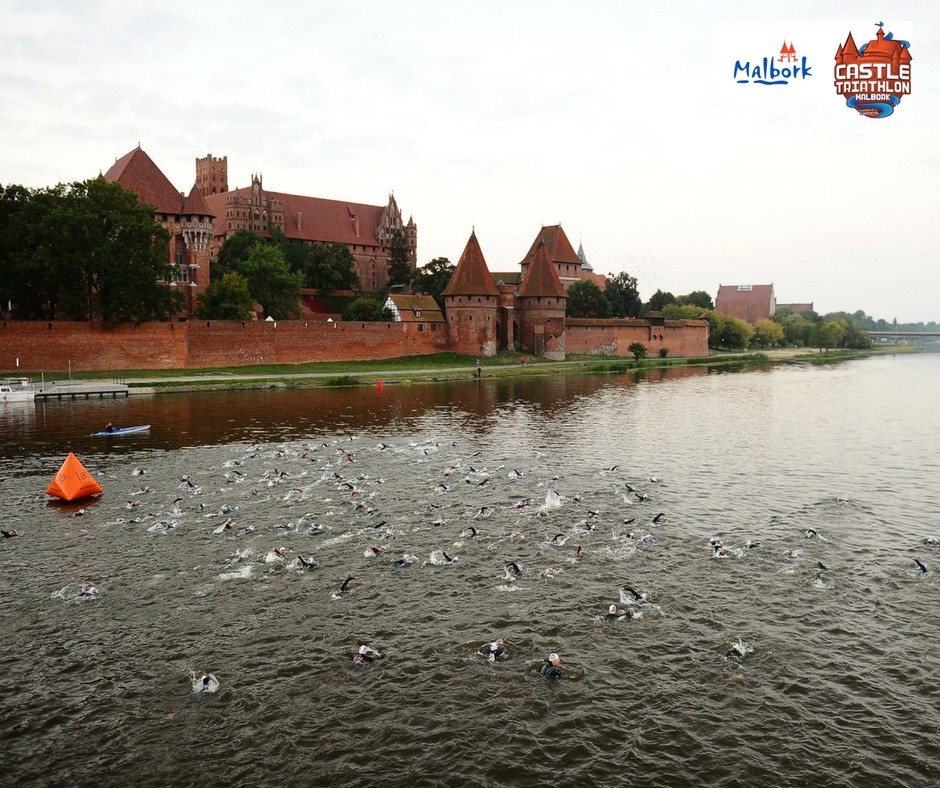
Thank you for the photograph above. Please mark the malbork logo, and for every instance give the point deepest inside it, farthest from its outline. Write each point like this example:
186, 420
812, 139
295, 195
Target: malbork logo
766, 72
876, 76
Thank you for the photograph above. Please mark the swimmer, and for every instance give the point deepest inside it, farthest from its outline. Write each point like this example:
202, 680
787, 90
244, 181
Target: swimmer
810, 533
469, 532
485, 511
206, 683
579, 552
344, 587
737, 651
720, 552
629, 521
495, 651
642, 497
79, 513
559, 539
613, 615
552, 668
375, 550
448, 558
314, 528
306, 563
405, 560
365, 654
920, 564
660, 518
275, 555
9, 534
89, 591
638, 598
749, 545
512, 570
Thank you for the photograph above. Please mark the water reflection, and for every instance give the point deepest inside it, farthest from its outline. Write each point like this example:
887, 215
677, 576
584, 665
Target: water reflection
49, 428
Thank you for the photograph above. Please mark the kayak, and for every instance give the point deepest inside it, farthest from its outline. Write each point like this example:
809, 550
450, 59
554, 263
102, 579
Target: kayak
121, 431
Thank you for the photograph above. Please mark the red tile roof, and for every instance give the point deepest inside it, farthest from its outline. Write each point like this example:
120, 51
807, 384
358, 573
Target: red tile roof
137, 172
558, 245
471, 276
329, 221
196, 204
417, 309
541, 278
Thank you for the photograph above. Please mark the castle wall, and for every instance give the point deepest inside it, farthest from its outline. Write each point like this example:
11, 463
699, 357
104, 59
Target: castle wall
196, 344
687, 338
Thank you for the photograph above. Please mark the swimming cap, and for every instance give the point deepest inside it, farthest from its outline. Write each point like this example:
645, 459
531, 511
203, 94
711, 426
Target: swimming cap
552, 657
363, 649
494, 646
613, 609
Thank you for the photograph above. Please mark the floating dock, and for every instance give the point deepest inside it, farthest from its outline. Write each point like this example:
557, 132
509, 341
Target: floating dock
79, 389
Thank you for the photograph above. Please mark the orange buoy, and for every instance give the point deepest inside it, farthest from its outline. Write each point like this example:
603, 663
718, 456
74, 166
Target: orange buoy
73, 481
378, 385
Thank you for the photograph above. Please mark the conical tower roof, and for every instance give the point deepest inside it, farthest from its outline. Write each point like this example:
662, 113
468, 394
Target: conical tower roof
541, 278
195, 204
471, 276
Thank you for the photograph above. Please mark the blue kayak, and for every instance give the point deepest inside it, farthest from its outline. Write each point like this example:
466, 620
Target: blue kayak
120, 431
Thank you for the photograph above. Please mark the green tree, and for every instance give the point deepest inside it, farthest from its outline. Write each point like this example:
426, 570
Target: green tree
585, 299
330, 267
399, 261
226, 299
271, 283
729, 332
657, 301
366, 310
234, 250
621, 291
828, 335
638, 349
88, 250
295, 254
855, 336
767, 332
433, 278
697, 298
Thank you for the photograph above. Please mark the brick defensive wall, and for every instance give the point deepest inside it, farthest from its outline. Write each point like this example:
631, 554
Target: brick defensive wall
198, 344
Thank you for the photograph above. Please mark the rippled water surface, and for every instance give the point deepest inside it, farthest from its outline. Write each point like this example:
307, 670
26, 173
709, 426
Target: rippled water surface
839, 687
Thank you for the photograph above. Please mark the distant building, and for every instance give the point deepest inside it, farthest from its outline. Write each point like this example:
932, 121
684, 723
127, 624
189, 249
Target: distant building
366, 229
188, 218
798, 308
747, 302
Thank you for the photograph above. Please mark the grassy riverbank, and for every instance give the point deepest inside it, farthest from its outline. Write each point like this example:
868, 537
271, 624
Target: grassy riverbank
436, 367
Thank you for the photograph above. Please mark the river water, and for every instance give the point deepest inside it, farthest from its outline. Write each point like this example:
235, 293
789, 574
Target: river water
839, 680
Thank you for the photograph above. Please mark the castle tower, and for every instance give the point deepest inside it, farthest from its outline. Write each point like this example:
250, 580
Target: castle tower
541, 307
471, 301
212, 174
196, 230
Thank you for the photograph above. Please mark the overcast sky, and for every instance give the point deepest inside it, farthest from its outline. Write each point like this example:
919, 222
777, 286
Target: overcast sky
620, 120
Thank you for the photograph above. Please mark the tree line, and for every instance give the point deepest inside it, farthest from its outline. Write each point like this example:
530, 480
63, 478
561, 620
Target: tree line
83, 251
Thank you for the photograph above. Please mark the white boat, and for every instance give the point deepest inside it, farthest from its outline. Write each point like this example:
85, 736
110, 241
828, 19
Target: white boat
17, 390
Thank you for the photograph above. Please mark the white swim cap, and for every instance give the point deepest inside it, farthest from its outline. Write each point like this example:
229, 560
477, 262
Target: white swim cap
363, 650
613, 609
552, 657
494, 646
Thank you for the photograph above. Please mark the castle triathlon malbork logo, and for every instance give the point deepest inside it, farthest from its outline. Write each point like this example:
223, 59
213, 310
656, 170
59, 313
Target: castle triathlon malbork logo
874, 78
